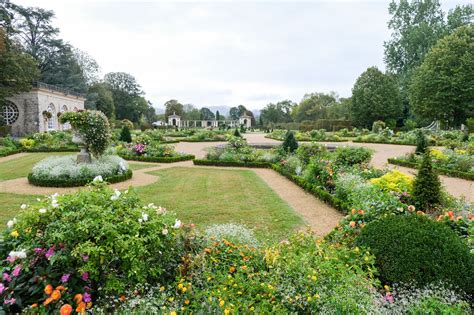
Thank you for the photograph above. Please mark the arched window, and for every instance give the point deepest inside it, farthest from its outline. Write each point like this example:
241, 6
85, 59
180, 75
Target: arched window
66, 125
52, 120
9, 112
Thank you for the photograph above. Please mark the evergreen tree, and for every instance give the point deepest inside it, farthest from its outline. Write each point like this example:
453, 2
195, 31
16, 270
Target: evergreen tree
237, 133
427, 186
290, 144
421, 143
125, 135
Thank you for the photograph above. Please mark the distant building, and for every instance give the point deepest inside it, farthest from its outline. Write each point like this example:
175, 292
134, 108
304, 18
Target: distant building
39, 109
175, 121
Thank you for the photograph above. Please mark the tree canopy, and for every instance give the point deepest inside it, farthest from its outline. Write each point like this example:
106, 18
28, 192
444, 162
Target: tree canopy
277, 113
443, 86
173, 106
313, 106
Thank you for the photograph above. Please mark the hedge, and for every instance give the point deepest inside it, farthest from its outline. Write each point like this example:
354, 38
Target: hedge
439, 170
157, 159
198, 140
314, 190
46, 149
9, 152
382, 142
307, 139
233, 163
76, 182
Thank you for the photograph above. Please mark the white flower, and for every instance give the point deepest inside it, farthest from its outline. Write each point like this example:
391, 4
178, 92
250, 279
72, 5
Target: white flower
123, 167
98, 178
116, 195
14, 220
140, 220
160, 210
24, 206
42, 210
10, 224
17, 254
144, 216
54, 203
177, 224
164, 232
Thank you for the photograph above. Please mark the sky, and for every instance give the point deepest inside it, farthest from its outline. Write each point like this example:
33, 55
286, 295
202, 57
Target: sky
217, 53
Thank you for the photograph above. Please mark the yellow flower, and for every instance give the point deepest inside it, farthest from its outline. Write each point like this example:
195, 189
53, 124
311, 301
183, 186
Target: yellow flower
186, 302
15, 233
314, 278
172, 313
221, 303
226, 311
180, 286
162, 288
184, 290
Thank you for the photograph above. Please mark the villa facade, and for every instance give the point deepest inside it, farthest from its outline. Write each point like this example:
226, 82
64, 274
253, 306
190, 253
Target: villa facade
176, 121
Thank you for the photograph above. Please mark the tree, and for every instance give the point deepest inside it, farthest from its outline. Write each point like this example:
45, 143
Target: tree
340, 109
18, 70
277, 113
150, 113
289, 143
126, 93
218, 115
125, 135
375, 96
206, 114
191, 112
99, 97
443, 86
314, 106
173, 107
426, 187
89, 67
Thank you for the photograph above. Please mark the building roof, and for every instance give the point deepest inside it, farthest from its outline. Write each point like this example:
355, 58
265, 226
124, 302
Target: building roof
245, 116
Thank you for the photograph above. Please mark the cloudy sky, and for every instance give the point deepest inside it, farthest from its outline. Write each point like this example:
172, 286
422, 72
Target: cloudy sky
228, 52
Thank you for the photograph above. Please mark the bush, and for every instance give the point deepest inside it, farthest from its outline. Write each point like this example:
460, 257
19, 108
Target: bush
125, 135
352, 155
421, 143
416, 249
235, 233
94, 242
427, 186
289, 143
306, 151
395, 181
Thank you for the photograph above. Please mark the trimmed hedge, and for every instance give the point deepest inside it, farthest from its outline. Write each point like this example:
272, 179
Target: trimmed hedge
9, 152
314, 190
382, 142
157, 159
78, 182
233, 163
307, 139
197, 140
443, 171
61, 149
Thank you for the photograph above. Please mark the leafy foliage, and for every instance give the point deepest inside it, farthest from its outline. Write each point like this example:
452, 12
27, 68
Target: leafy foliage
427, 186
289, 143
125, 135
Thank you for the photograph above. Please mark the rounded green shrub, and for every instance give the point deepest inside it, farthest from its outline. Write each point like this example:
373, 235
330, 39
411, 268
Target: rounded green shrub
289, 143
415, 249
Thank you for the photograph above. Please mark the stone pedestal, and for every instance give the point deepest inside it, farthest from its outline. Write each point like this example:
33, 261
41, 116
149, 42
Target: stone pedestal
84, 156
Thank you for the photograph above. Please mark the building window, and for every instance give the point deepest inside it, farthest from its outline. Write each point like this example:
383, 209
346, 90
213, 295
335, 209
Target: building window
52, 120
67, 125
9, 113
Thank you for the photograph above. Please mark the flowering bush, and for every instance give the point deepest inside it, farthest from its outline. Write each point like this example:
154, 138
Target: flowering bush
93, 125
395, 181
235, 233
69, 250
139, 148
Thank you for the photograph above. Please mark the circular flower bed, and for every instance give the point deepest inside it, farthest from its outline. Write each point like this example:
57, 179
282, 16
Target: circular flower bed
65, 172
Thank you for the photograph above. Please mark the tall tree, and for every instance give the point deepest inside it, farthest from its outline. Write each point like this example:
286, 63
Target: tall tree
173, 107
313, 106
150, 113
443, 86
191, 112
375, 96
277, 113
206, 114
126, 93
218, 115
89, 67
340, 109
100, 97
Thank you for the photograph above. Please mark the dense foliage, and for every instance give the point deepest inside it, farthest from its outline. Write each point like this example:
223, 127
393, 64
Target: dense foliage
427, 186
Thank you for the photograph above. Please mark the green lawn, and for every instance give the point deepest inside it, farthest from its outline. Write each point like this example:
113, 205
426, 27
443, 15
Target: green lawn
139, 166
10, 206
21, 166
208, 196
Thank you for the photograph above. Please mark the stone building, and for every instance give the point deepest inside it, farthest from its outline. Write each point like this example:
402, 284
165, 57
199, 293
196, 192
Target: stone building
39, 109
176, 121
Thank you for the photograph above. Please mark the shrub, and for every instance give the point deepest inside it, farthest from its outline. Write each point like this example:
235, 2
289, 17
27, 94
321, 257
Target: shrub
421, 142
95, 242
235, 233
352, 155
470, 124
125, 135
394, 181
378, 126
427, 186
237, 133
306, 151
289, 143
416, 249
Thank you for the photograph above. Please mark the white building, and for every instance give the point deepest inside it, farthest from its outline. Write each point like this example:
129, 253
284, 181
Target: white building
39, 109
175, 121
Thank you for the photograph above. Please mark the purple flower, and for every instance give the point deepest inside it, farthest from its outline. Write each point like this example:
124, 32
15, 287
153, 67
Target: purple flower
86, 297
9, 301
38, 250
85, 276
2, 288
85, 257
65, 277
50, 252
16, 271
7, 277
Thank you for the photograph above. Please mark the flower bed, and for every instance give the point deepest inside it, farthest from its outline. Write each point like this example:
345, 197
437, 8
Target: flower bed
456, 163
151, 152
65, 172
313, 135
54, 141
157, 159
232, 163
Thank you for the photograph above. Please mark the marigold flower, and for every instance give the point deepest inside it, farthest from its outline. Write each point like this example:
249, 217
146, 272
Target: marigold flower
186, 302
48, 289
361, 212
34, 305
15, 233
60, 288
81, 307
244, 267
232, 269
122, 298
78, 298
48, 300
56, 295
66, 309
207, 250
352, 224
354, 211
420, 212
459, 218
450, 215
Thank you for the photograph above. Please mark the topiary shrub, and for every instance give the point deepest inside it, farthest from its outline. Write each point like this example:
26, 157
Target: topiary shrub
289, 143
352, 155
125, 135
427, 186
421, 143
237, 133
417, 250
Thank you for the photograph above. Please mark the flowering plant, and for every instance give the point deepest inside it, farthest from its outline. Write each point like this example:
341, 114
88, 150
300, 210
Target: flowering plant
139, 148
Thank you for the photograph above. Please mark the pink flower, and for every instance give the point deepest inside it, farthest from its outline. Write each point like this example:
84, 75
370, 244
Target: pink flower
7, 277
9, 301
38, 250
50, 252
86, 297
388, 297
11, 259
2, 288
85, 257
85, 276
65, 277
16, 271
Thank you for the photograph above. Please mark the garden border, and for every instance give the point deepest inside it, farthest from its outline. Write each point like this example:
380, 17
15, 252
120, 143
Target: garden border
156, 159
232, 163
7, 153
442, 171
308, 140
76, 183
381, 142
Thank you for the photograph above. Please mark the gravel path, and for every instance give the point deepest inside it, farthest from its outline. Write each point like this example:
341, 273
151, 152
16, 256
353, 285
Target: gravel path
12, 157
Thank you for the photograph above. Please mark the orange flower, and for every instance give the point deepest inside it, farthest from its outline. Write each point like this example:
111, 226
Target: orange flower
34, 305
361, 212
81, 307
362, 225
459, 218
78, 298
66, 309
353, 211
207, 250
232, 269
60, 288
122, 298
420, 212
48, 300
352, 224
244, 267
451, 215
48, 289
441, 217
56, 295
